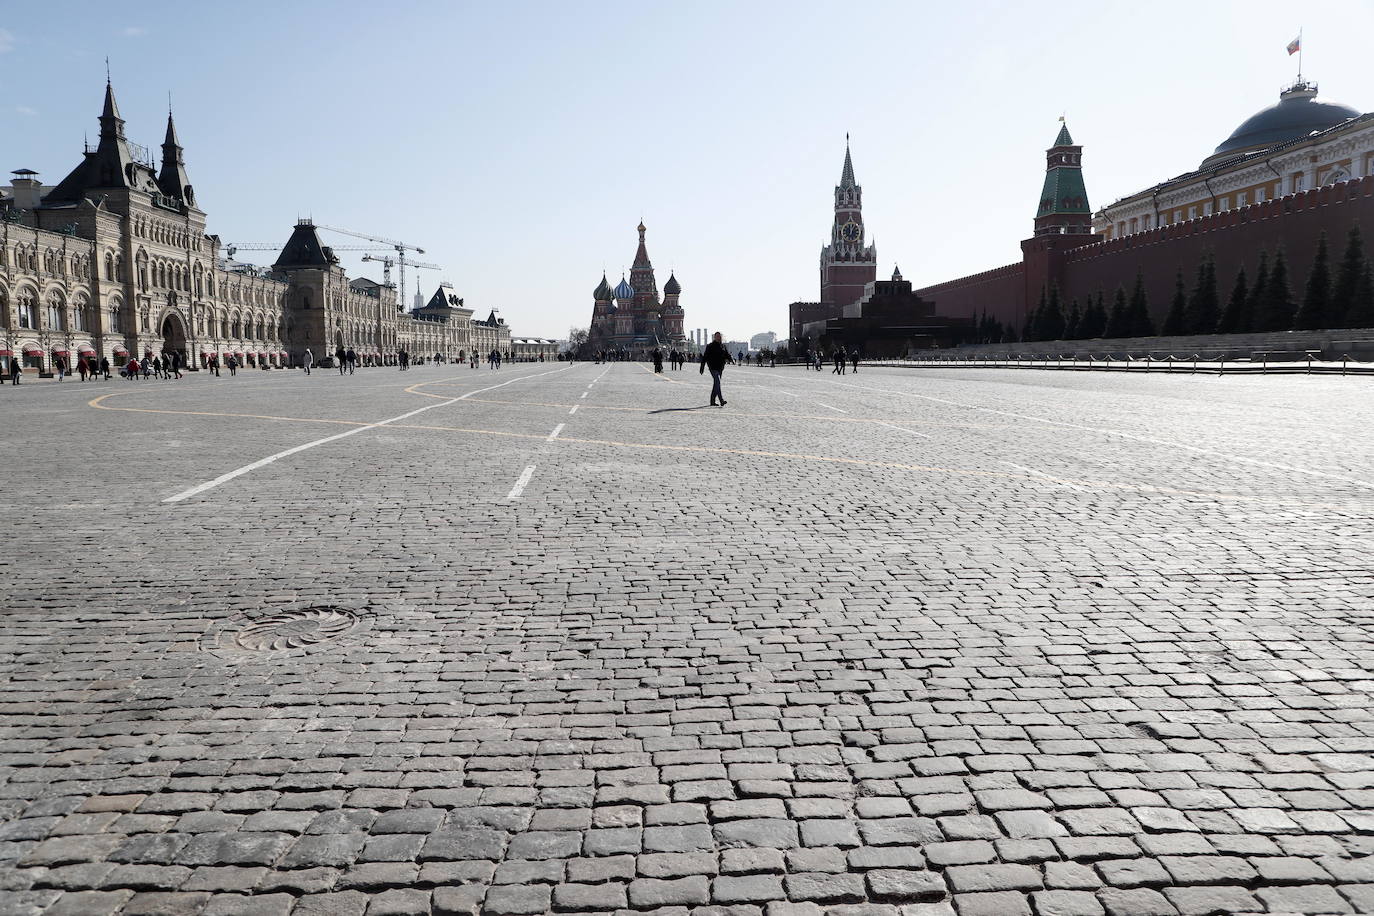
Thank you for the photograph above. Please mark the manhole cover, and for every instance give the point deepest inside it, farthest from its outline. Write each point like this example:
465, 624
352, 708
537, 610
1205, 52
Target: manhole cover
294, 629
282, 631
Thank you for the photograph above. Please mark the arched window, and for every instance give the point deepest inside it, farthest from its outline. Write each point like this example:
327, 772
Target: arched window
54, 316
79, 317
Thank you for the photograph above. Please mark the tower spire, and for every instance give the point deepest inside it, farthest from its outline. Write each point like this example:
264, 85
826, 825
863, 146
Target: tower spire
173, 181
847, 175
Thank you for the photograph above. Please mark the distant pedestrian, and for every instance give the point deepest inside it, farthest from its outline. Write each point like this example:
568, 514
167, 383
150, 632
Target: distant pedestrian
351, 357
60, 365
854, 360
233, 363
81, 368
307, 360
105, 367
658, 360
214, 364
714, 357
131, 371
15, 370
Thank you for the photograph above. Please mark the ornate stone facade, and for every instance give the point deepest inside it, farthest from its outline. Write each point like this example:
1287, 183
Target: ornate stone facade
115, 261
630, 318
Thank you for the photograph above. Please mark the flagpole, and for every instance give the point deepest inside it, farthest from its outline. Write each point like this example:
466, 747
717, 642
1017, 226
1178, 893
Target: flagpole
1300, 54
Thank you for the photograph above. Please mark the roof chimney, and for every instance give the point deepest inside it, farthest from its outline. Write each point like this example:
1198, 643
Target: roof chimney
27, 190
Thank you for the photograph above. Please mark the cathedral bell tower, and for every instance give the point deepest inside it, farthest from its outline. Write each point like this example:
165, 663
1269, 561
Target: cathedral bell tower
847, 264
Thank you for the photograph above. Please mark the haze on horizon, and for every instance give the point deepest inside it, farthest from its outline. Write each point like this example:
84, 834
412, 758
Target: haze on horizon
521, 145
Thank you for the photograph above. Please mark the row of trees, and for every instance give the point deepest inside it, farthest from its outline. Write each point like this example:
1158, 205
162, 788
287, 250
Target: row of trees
1266, 304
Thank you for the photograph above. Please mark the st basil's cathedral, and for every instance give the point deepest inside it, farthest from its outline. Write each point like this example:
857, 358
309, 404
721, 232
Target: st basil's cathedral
630, 318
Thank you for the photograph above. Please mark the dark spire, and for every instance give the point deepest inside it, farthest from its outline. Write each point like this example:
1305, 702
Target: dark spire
847, 176
1063, 139
111, 124
172, 180
108, 166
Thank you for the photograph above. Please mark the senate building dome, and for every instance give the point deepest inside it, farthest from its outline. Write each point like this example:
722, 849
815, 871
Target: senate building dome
1298, 113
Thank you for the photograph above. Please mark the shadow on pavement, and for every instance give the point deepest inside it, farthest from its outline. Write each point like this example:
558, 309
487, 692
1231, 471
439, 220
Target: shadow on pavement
674, 409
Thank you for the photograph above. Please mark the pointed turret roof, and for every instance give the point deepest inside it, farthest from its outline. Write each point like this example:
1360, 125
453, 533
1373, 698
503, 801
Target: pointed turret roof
303, 249
172, 180
896, 272
1063, 139
847, 175
642, 254
105, 167
1063, 190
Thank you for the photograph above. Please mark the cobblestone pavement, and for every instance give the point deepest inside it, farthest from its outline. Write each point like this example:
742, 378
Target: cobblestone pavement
925, 642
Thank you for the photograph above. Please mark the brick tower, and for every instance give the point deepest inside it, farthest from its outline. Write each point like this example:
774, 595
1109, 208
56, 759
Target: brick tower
847, 265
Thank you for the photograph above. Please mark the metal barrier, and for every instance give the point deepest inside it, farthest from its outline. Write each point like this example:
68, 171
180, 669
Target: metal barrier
1260, 363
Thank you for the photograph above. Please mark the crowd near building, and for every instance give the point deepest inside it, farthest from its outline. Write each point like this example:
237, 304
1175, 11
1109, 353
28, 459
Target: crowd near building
629, 321
114, 261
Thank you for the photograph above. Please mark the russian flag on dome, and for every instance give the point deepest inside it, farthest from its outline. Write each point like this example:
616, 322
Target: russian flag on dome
1295, 46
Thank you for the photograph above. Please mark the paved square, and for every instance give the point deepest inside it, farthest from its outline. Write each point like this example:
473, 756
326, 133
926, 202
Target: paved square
561, 639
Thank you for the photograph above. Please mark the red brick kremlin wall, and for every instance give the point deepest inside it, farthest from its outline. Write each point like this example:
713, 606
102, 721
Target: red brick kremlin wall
1233, 238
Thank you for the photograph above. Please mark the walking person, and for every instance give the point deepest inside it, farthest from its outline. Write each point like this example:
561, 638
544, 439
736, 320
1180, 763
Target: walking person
351, 357
307, 360
105, 367
854, 360
15, 371
60, 365
81, 368
233, 365
658, 361
714, 357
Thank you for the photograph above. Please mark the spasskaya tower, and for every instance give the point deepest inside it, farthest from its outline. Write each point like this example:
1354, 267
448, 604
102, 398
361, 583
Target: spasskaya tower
847, 264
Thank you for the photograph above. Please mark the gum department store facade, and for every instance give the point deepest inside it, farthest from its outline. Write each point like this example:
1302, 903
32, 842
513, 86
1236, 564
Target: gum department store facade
114, 261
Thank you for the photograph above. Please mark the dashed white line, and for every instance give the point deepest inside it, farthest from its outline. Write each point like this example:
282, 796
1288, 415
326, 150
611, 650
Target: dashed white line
554, 435
584, 394
905, 430
574, 409
263, 462
1041, 474
520, 484
840, 409
1183, 446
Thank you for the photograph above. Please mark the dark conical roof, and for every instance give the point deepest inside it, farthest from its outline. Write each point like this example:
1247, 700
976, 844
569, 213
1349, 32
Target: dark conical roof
105, 167
1063, 139
847, 175
672, 287
172, 180
303, 249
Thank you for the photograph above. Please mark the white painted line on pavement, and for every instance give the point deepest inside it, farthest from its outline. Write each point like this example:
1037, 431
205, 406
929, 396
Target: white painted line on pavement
554, 435
584, 394
520, 484
905, 430
574, 410
263, 462
1197, 449
1041, 474
840, 409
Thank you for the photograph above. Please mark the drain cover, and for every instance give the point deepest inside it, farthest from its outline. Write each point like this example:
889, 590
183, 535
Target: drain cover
294, 629
282, 631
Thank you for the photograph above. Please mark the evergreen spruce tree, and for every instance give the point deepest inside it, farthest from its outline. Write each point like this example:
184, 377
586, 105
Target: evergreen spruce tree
1315, 313
1035, 320
1175, 323
1361, 313
1235, 318
1052, 319
1347, 279
1202, 313
1254, 308
1117, 323
1138, 312
1095, 320
1278, 307
1073, 322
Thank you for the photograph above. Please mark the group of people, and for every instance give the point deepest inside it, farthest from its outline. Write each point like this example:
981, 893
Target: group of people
676, 358
843, 361
165, 367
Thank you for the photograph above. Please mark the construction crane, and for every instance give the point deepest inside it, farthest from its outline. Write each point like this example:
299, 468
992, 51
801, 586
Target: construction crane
400, 247
275, 246
387, 262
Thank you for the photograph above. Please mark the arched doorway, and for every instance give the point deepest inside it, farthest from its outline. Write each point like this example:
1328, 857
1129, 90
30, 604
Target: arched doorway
174, 336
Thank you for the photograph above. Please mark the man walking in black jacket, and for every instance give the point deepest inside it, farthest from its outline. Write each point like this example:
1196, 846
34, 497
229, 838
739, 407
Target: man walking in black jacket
714, 357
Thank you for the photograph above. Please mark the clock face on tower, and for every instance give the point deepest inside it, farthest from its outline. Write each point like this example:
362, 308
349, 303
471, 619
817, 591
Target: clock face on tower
850, 231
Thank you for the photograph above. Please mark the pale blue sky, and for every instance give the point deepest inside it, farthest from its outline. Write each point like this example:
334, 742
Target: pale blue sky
520, 143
